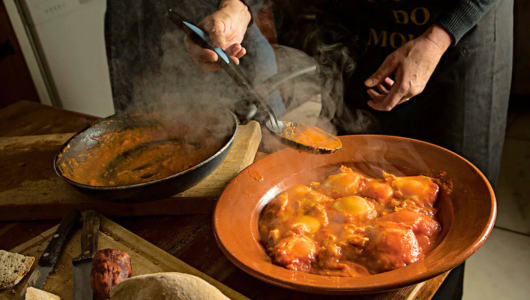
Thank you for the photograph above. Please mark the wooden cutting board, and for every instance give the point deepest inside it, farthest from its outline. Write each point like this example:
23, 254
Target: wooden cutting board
30, 189
146, 258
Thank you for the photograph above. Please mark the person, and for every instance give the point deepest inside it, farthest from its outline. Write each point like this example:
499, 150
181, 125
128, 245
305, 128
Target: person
437, 70
146, 52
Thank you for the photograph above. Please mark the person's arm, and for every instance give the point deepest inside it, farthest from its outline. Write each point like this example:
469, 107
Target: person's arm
463, 15
413, 63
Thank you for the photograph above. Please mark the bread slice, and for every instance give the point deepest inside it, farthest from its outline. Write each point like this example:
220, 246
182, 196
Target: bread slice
36, 294
13, 267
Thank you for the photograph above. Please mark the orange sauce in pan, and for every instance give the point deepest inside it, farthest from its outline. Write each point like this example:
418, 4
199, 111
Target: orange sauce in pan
139, 155
351, 225
312, 137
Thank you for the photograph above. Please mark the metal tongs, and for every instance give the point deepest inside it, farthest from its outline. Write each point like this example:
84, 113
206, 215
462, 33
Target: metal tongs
275, 126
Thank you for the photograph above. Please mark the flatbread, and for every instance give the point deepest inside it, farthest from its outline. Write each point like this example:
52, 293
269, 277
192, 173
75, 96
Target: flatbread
36, 294
13, 267
166, 286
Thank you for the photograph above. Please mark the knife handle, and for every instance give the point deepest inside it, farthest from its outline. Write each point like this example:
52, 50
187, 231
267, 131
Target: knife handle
89, 239
66, 228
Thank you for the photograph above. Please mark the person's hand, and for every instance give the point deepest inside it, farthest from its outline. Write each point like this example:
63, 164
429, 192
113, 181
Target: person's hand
226, 28
412, 64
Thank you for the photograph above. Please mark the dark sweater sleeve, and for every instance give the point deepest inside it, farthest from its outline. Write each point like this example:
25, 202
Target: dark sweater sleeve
254, 6
463, 15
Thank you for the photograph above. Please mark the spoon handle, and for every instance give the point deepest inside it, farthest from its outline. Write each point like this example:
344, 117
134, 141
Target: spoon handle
224, 61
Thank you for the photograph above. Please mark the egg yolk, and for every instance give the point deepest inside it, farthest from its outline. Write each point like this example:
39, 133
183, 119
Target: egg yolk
303, 248
311, 224
298, 191
295, 252
410, 187
378, 190
353, 205
421, 189
345, 184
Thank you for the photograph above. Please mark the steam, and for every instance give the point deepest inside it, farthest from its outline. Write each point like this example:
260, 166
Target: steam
163, 76
177, 79
158, 72
149, 62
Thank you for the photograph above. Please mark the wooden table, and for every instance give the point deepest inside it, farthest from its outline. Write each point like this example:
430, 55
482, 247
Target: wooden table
189, 237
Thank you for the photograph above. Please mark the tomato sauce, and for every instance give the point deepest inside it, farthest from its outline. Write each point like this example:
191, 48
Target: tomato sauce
352, 225
312, 137
256, 175
141, 154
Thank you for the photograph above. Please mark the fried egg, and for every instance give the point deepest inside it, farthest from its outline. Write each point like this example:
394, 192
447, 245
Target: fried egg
355, 206
421, 189
343, 184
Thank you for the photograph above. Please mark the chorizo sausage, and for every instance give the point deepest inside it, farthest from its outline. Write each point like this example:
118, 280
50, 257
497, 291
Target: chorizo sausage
109, 267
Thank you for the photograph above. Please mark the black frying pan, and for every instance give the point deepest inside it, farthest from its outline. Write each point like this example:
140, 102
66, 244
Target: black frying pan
82, 143
86, 140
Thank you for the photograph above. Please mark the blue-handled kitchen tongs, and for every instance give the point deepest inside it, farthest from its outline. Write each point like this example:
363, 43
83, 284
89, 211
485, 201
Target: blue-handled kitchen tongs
227, 64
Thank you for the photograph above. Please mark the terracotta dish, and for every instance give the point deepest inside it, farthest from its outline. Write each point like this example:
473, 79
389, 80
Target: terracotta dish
466, 204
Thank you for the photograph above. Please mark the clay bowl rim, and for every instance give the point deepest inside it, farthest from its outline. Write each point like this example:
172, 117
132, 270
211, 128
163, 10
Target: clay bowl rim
327, 284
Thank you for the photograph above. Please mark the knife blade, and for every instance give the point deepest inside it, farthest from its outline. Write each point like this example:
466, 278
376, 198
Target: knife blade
83, 263
52, 252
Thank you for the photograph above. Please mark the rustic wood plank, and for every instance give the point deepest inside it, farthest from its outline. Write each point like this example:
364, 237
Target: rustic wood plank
29, 143
430, 287
16, 233
146, 258
30, 189
30, 118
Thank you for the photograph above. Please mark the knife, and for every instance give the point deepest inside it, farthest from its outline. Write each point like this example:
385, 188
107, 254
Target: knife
52, 252
83, 263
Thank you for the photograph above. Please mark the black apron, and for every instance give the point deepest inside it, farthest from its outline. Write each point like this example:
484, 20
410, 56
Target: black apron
464, 105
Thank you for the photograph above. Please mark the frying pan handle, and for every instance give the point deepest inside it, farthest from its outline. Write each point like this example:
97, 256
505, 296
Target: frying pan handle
245, 111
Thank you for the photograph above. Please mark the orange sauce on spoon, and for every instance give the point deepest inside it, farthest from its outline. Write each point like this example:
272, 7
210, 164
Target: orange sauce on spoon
311, 137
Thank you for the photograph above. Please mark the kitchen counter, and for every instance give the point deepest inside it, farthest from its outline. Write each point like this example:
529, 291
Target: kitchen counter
188, 237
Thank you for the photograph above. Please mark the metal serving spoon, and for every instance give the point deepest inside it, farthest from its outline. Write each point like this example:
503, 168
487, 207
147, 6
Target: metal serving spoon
294, 135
